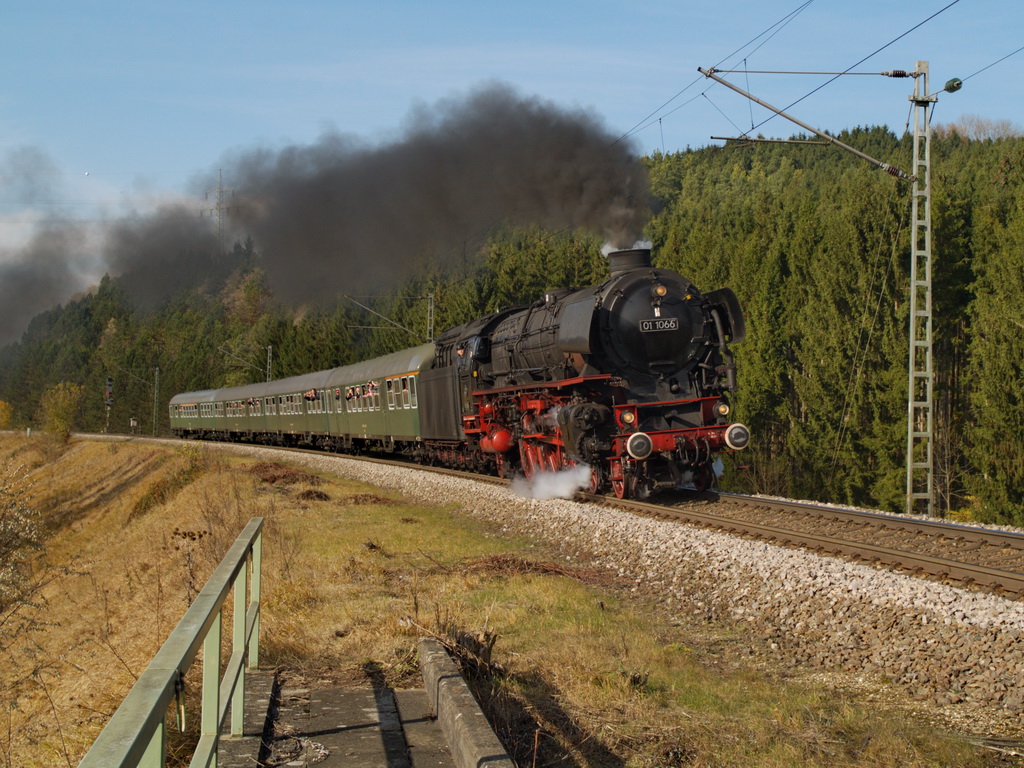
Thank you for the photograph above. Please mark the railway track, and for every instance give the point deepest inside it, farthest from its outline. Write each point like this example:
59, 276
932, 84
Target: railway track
973, 556
970, 555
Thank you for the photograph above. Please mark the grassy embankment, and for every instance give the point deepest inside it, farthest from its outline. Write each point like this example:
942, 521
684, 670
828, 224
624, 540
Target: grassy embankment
571, 667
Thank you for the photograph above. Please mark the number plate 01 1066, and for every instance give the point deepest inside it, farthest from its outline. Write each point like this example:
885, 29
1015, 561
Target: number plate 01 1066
660, 324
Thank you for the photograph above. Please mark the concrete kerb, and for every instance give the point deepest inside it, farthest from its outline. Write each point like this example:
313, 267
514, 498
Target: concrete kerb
470, 737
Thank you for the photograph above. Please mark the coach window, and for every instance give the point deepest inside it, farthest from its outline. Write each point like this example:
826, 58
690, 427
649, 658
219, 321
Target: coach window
391, 393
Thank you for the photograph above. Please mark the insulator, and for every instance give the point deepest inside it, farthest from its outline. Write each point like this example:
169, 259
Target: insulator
892, 170
897, 73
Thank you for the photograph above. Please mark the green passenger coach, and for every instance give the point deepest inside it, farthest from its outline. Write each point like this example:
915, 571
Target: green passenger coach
369, 404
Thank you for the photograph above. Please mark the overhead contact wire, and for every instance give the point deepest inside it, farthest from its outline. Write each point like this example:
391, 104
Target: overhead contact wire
783, 21
857, 64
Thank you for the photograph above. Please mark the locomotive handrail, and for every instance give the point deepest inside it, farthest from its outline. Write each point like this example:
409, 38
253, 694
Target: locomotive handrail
136, 733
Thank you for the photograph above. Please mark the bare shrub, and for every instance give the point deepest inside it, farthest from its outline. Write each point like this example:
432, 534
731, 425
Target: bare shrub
20, 535
273, 473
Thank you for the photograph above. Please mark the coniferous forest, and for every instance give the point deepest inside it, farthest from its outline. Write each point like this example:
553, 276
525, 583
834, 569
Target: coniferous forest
814, 242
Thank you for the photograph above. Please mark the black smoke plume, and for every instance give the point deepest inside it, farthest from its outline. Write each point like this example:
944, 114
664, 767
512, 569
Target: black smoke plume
341, 213
327, 215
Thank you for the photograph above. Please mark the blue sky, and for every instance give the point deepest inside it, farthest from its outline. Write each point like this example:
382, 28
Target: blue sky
143, 96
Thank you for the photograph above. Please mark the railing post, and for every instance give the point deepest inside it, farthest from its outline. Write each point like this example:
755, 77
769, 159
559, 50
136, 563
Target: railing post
153, 757
254, 598
211, 684
238, 644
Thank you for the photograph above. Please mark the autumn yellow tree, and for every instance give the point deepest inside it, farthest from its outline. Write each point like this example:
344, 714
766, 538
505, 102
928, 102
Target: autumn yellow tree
6, 415
61, 405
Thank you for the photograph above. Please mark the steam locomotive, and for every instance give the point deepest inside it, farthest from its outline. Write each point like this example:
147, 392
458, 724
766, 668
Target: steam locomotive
628, 378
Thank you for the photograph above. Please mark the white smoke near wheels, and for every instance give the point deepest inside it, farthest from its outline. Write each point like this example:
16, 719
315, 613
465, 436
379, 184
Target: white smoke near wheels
553, 485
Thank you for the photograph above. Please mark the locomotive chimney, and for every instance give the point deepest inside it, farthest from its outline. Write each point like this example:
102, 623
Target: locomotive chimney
628, 259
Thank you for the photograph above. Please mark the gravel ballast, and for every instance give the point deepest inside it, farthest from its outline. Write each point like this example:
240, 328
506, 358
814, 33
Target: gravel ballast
943, 644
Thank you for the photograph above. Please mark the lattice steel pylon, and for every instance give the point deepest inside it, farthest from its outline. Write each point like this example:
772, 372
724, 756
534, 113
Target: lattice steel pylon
220, 208
920, 485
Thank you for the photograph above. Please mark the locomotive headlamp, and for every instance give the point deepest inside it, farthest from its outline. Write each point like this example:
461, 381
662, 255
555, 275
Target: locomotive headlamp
722, 408
628, 417
659, 291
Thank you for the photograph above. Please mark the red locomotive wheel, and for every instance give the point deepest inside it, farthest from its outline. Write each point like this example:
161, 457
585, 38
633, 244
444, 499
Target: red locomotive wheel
704, 477
618, 478
550, 454
530, 459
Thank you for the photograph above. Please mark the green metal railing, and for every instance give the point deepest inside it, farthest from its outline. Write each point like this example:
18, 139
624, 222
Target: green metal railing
136, 734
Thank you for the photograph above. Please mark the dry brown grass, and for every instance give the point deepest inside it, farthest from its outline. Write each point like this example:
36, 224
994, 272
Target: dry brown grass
574, 671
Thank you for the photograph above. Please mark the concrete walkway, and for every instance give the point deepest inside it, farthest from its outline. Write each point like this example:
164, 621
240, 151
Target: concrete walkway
437, 726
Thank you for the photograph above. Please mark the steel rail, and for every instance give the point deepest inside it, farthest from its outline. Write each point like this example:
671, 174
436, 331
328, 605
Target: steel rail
936, 566
895, 522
